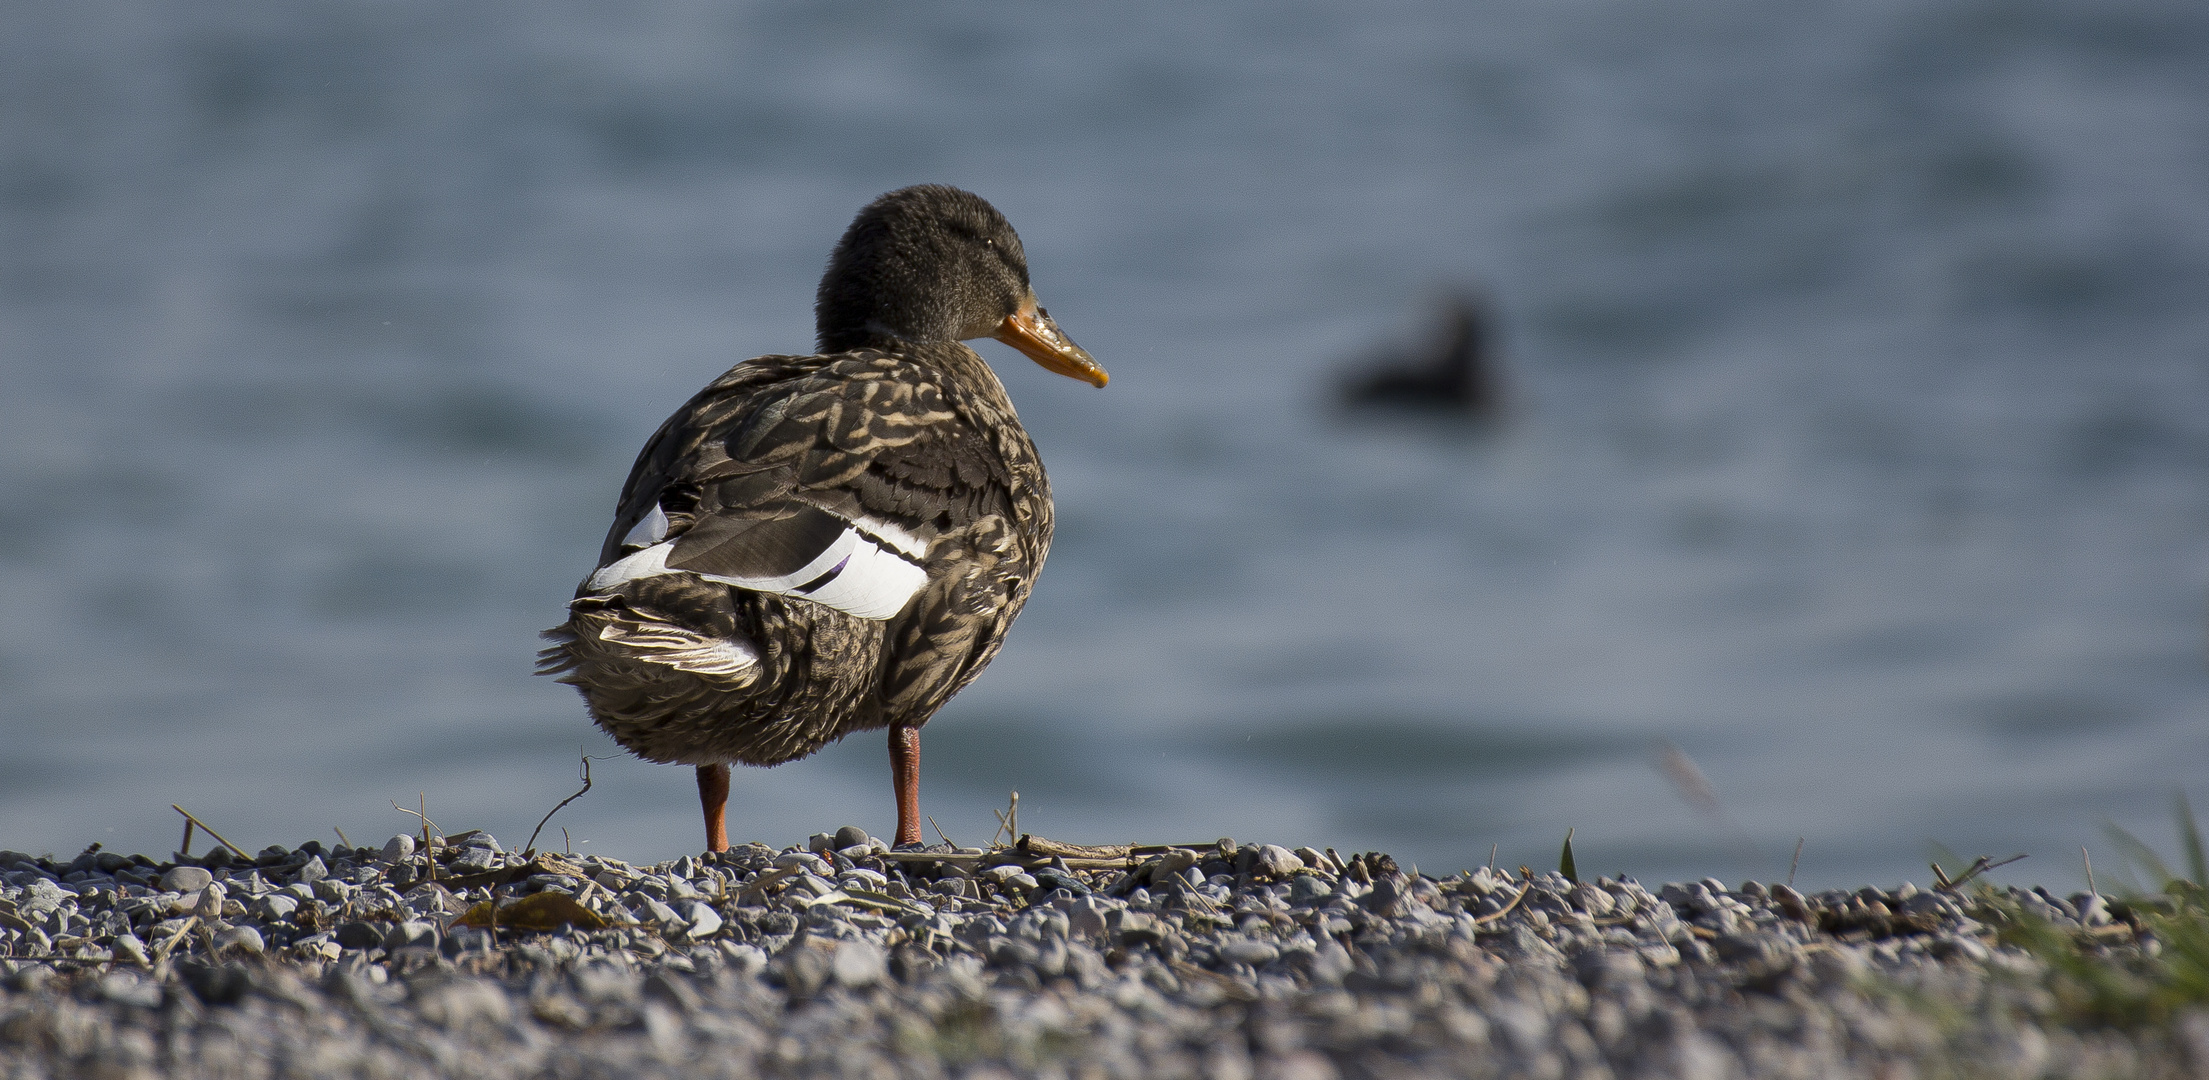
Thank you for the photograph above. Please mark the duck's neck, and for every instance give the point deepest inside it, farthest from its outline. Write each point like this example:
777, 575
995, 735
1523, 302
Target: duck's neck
871, 335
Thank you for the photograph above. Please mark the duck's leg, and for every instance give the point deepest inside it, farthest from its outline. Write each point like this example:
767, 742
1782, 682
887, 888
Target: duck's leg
713, 797
905, 776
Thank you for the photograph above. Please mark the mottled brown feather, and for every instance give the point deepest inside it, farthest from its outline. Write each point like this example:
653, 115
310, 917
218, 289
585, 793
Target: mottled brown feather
923, 437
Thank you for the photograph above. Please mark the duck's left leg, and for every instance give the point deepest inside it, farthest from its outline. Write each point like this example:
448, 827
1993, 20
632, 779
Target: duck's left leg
713, 798
905, 775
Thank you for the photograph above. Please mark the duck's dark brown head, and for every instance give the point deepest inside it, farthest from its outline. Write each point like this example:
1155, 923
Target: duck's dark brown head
936, 264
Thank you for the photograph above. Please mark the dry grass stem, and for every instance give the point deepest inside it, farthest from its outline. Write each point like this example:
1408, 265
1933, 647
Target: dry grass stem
161, 954
190, 821
1978, 866
1508, 908
1008, 822
532, 844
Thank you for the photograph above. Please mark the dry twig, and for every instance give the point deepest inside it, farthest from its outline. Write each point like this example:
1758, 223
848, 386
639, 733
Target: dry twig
532, 844
190, 821
1507, 908
1978, 866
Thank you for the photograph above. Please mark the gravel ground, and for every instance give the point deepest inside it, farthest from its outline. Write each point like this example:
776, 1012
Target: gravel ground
844, 959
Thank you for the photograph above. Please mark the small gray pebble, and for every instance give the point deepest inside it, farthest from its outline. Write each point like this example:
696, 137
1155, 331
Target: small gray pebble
130, 988
1593, 900
1330, 964
2093, 910
410, 933
359, 935
1275, 861
704, 921
858, 964
399, 848
130, 948
239, 941
186, 879
1012, 952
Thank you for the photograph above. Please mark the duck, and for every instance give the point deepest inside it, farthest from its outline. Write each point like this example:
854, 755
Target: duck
1453, 373
819, 545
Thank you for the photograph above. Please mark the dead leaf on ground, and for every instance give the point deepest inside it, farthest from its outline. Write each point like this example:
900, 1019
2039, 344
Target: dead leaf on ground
542, 912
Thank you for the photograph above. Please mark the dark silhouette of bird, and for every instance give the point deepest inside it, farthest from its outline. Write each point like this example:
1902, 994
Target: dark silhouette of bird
1452, 374
824, 544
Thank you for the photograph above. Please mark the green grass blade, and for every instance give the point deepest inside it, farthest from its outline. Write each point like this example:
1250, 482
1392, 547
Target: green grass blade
2189, 835
2140, 855
1564, 861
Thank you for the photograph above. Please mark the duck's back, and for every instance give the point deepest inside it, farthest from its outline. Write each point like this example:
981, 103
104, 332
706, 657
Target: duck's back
812, 545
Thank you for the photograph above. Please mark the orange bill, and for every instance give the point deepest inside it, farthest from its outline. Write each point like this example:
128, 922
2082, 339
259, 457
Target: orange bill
1031, 331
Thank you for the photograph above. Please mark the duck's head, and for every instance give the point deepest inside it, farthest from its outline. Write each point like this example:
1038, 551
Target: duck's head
935, 264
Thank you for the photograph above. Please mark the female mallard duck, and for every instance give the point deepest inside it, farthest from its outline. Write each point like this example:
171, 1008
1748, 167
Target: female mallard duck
818, 545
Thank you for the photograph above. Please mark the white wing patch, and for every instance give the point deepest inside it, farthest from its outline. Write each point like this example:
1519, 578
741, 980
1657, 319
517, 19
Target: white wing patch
647, 532
647, 563
896, 535
856, 573
867, 581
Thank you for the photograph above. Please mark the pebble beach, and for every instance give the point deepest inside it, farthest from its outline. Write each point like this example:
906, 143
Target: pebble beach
842, 958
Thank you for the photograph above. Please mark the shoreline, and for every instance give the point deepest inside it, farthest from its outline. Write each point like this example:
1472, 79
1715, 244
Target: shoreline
839, 957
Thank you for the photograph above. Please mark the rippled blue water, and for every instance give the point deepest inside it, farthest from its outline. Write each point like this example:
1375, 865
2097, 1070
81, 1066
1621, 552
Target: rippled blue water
1858, 356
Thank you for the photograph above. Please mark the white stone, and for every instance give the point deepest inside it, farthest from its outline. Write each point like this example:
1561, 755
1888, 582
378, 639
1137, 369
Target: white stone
858, 964
704, 921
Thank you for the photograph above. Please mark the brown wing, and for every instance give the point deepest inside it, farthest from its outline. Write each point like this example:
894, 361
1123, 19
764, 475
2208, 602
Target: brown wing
761, 469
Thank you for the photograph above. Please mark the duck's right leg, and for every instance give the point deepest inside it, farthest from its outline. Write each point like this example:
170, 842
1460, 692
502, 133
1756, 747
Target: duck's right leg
713, 798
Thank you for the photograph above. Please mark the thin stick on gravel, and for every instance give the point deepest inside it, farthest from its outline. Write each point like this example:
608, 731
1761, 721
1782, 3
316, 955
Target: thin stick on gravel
190, 821
429, 854
161, 954
1794, 862
341, 836
1978, 866
1008, 822
532, 844
1507, 908
939, 832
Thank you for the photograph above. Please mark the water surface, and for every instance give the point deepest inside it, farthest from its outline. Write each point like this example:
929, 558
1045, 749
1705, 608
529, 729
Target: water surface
1857, 445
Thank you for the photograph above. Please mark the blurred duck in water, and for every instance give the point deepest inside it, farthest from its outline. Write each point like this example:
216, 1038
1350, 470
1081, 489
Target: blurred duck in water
1453, 374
